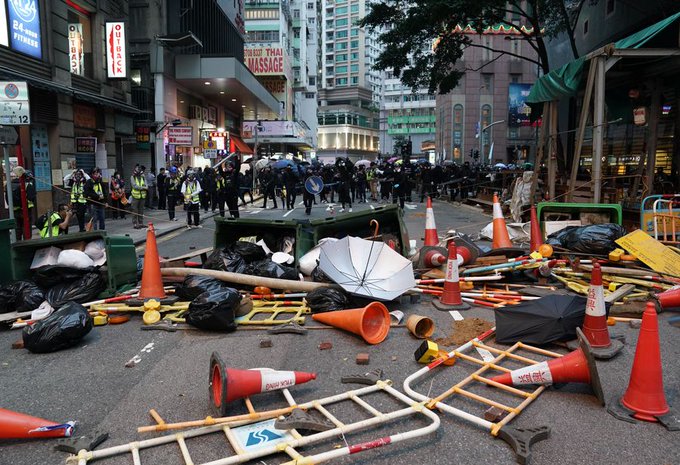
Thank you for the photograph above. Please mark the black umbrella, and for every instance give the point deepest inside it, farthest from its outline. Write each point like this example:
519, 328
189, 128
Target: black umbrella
548, 319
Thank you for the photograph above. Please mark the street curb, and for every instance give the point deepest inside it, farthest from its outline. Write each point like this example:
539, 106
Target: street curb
173, 229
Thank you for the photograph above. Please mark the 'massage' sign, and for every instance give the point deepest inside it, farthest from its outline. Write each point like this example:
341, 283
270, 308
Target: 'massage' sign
265, 61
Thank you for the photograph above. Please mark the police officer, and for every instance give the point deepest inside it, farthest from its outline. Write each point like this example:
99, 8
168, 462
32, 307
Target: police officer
173, 184
56, 223
139, 193
268, 183
231, 186
94, 192
78, 199
220, 190
191, 190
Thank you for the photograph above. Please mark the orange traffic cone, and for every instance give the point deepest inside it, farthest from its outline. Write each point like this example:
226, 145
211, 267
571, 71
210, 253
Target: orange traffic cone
14, 425
669, 298
501, 238
372, 322
152, 282
451, 299
431, 236
645, 395
595, 321
228, 384
575, 367
536, 235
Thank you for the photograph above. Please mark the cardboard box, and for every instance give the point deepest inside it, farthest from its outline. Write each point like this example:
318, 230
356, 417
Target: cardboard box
554, 226
44, 257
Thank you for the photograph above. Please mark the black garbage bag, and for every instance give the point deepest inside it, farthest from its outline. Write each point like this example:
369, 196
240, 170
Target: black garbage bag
598, 239
194, 285
62, 329
249, 251
214, 311
51, 275
327, 299
319, 276
83, 290
541, 321
268, 269
225, 260
20, 296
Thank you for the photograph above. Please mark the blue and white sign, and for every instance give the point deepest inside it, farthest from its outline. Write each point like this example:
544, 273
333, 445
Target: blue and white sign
24, 27
259, 435
314, 185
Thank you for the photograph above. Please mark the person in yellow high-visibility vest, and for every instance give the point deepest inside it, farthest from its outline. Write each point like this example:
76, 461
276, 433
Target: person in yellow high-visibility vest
191, 189
78, 200
55, 223
139, 193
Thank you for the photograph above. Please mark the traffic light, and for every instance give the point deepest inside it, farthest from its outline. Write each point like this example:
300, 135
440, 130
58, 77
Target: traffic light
476, 155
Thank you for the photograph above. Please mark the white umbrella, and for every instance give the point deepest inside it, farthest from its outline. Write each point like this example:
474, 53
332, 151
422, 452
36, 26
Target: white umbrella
365, 163
367, 268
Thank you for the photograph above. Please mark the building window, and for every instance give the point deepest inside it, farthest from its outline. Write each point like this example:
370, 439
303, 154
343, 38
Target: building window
514, 78
355, 32
341, 10
458, 114
354, 44
312, 80
262, 36
487, 84
355, 8
329, 24
340, 57
341, 82
516, 49
354, 68
341, 35
80, 43
310, 5
341, 69
136, 77
341, 46
354, 56
487, 55
296, 33
310, 95
341, 22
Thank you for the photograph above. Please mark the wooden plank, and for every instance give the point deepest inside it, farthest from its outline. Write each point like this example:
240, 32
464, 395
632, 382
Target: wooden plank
619, 293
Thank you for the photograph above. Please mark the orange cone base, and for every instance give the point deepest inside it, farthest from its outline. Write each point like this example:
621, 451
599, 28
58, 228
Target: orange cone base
602, 353
670, 420
439, 305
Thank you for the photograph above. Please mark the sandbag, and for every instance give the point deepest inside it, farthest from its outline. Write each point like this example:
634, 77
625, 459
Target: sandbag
327, 299
83, 290
63, 329
212, 311
20, 296
269, 269
49, 276
597, 239
194, 285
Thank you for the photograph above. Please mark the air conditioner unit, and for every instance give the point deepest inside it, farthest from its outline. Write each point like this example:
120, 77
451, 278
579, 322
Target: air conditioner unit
195, 112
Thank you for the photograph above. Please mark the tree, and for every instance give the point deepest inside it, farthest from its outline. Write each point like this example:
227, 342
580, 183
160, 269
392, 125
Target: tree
423, 41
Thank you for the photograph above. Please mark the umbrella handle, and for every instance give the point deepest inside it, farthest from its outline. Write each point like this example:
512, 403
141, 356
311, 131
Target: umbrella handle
375, 223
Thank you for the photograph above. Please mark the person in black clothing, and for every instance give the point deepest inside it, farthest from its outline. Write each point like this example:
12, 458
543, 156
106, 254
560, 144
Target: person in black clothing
268, 183
95, 195
345, 171
160, 182
426, 181
386, 179
289, 180
361, 184
30, 202
231, 189
220, 189
308, 198
400, 186
173, 185
246, 186
207, 181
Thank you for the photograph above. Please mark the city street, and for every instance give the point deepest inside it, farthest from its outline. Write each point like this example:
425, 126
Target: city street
91, 384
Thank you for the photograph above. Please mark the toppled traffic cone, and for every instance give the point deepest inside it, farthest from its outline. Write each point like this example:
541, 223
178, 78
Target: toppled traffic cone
152, 282
575, 367
371, 322
229, 384
501, 238
595, 322
431, 257
645, 399
14, 425
536, 235
431, 237
451, 298
669, 298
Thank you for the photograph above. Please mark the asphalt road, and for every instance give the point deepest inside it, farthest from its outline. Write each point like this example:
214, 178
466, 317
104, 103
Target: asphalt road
91, 384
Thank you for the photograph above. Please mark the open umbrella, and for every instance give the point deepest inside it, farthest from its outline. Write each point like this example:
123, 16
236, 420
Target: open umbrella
365, 163
281, 164
392, 160
366, 268
548, 319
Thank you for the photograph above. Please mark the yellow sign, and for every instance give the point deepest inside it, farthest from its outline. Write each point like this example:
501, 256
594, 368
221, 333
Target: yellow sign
651, 252
209, 144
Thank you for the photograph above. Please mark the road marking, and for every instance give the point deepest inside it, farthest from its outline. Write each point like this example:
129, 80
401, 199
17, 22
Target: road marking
455, 314
255, 212
138, 358
289, 212
411, 206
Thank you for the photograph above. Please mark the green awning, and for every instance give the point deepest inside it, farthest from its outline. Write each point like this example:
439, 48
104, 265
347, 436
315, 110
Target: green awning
565, 81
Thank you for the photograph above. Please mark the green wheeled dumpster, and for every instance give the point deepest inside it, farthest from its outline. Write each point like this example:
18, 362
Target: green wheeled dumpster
7, 269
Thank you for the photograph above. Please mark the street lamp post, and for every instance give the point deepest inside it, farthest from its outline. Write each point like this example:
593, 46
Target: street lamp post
481, 137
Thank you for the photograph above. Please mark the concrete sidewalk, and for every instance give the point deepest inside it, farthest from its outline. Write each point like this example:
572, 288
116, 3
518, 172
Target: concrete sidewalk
162, 225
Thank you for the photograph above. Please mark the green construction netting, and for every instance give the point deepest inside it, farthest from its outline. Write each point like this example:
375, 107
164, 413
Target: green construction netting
565, 81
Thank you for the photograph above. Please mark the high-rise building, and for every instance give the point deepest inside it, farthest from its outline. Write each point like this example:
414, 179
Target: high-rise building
349, 87
278, 33
489, 100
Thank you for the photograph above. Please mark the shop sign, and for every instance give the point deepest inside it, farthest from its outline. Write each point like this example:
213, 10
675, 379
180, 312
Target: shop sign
519, 113
86, 144
41, 158
640, 116
84, 116
265, 61
116, 51
143, 137
75, 47
209, 154
24, 27
181, 135
14, 108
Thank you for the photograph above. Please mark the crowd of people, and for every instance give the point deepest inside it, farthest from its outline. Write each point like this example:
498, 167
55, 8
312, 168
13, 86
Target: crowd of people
226, 186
